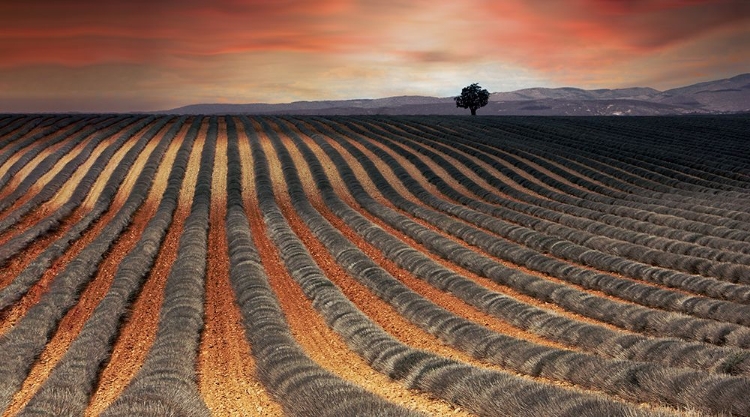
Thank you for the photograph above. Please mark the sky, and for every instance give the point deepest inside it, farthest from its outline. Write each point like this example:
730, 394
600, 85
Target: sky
141, 55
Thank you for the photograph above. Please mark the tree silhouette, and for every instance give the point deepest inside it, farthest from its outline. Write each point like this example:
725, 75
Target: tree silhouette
472, 98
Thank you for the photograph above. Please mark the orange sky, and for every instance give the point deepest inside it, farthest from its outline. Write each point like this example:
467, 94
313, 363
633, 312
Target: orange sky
83, 55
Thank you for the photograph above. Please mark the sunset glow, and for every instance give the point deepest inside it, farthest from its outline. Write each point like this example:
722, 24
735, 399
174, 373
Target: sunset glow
81, 55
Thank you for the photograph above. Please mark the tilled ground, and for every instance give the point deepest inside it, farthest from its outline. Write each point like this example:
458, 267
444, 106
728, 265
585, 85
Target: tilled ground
226, 370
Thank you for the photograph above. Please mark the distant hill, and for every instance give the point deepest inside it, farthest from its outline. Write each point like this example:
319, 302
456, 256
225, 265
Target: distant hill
731, 95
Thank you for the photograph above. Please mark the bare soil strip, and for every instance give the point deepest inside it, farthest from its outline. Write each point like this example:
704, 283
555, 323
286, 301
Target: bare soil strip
455, 184
11, 315
458, 186
17, 155
443, 299
64, 193
381, 312
17, 264
392, 179
72, 183
139, 330
226, 376
74, 320
373, 191
310, 330
465, 170
135, 170
74, 178
256, 394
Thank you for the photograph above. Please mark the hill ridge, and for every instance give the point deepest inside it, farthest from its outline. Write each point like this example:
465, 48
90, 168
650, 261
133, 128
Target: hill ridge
729, 95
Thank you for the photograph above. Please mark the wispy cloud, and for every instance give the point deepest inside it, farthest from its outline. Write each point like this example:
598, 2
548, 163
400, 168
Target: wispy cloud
177, 52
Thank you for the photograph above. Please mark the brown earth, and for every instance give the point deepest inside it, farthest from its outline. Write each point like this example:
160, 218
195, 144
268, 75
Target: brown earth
226, 368
378, 310
310, 330
443, 299
458, 186
16, 264
372, 190
18, 154
73, 321
139, 330
56, 168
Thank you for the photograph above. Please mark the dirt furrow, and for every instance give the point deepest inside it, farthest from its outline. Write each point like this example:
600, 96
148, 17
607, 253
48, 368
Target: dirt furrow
455, 184
310, 330
139, 330
376, 309
64, 193
464, 191
373, 191
464, 170
135, 169
443, 299
18, 154
74, 320
72, 181
17, 264
11, 315
226, 376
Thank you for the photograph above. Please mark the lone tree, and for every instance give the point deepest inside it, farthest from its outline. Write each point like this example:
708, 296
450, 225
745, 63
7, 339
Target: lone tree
472, 98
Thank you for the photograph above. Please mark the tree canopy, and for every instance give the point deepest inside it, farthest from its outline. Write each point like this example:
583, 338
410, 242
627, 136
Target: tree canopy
473, 97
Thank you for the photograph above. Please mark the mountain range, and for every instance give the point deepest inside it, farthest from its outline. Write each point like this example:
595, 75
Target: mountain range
731, 95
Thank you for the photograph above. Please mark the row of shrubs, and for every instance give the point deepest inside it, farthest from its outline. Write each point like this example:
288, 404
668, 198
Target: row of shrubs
15, 246
91, 137
684, 144
637, 189
69, 386
673, 210
647, 154
13, 147
682, 202
553, 211
517, 355
518, 224
299, 384
22, 344
656, 320
166, 383
640, 173
79, 193
22, 125
481, 391
568, 331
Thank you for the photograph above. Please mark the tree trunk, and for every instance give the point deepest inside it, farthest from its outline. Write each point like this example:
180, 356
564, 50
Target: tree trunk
473, 111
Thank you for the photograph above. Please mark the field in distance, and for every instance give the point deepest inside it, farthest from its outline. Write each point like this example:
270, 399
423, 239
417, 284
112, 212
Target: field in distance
373, 265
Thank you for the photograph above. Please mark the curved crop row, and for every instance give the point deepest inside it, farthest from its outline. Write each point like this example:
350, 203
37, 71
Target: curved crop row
481, 391
21, 127
13, 149
584, 247
614, 187
77, 196
518, 355
376, 265
585, 220
74, 376
166, 382
298, 383
638, 318
652, 209
586, 336
24, 342
98, 135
